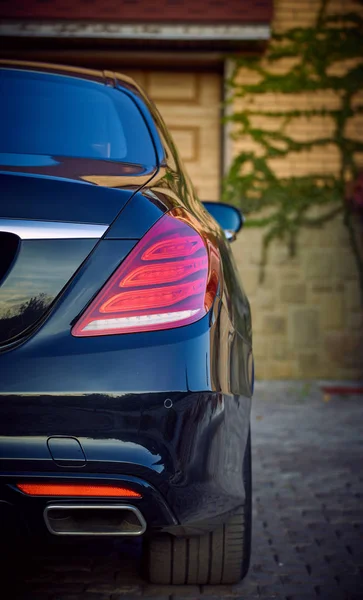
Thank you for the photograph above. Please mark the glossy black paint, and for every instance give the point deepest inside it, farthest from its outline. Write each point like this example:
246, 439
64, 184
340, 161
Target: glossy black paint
145, 204
27, 513
44, 198
167, 412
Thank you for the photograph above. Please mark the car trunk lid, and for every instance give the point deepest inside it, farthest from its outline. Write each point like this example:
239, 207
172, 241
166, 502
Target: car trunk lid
48, 227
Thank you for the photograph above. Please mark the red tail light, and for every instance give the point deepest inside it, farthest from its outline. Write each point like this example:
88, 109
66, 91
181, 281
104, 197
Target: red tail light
169, 279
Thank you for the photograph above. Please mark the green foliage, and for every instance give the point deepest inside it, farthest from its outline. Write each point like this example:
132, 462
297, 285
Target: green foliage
287, 204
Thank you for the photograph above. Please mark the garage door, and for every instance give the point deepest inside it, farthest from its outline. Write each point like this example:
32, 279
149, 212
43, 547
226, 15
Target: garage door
190, 103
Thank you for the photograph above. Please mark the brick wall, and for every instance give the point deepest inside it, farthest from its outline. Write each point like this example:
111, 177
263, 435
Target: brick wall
308, 320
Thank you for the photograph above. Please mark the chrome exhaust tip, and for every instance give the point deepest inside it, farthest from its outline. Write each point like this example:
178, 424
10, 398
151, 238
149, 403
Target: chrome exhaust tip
94, 519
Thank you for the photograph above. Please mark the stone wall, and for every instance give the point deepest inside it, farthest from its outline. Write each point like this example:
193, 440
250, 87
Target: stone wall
307, 314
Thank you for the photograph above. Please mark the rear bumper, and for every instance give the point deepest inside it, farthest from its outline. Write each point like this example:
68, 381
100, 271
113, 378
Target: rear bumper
26, 515
183, 456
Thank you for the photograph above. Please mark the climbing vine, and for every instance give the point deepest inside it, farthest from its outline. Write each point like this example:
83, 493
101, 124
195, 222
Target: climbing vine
283, 205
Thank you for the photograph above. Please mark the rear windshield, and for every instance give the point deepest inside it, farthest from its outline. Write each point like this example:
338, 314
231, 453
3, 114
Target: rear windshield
64, 116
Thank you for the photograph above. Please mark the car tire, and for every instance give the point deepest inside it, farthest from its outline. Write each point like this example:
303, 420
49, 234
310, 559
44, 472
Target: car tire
220, 557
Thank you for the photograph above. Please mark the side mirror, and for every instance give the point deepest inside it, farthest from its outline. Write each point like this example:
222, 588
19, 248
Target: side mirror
229, 217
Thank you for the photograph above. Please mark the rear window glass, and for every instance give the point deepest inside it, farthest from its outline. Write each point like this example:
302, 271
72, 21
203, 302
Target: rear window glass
64, 116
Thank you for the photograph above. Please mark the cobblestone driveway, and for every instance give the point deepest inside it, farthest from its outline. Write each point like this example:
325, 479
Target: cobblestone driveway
308, 516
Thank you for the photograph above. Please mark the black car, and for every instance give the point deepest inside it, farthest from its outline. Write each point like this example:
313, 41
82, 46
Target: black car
126, 368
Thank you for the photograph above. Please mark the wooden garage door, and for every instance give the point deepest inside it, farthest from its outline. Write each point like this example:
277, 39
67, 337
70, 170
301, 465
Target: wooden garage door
190, 103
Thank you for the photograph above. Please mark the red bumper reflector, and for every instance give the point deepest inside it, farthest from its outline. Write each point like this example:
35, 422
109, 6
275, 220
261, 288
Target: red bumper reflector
65, 489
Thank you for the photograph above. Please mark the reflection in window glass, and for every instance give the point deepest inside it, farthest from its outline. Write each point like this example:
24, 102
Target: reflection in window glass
65, 116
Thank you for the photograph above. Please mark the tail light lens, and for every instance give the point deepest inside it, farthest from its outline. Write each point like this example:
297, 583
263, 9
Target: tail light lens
65, 489
168, 280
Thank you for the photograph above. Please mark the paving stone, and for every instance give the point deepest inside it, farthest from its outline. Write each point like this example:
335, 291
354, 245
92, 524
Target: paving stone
113, 588
84, 596
39, 596
176, 597
158, 591
122, 596
229, 591
185, 591
57, 587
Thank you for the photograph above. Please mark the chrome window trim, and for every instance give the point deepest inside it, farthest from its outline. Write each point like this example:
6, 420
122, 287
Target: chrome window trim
51, 230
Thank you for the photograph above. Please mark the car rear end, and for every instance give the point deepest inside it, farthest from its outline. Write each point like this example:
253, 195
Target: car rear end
118, 412
62, 137
147, 411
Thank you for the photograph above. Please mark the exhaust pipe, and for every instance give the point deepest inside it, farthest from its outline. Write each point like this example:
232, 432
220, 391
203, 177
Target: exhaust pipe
94, 519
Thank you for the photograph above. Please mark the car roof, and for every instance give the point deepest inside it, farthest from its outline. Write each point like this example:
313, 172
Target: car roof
106, 77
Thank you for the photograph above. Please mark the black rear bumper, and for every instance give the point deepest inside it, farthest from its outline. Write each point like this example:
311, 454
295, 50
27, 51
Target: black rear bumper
24, 514
183, 452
